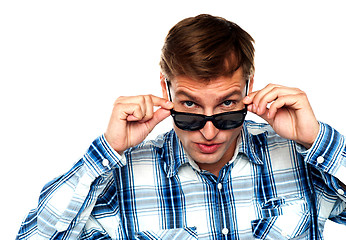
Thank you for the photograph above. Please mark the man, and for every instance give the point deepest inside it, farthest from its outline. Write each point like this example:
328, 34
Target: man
213, 176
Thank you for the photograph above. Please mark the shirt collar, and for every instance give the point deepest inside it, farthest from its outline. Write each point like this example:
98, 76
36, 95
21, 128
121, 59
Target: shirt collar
252, 139
175, 154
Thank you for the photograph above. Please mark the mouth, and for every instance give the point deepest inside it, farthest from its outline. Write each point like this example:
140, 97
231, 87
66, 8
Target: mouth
208, 148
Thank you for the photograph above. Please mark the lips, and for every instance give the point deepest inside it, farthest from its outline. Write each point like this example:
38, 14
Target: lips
208, 148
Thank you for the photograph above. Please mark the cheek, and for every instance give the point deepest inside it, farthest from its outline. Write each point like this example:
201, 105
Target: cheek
186, 137
182, 135
230, 135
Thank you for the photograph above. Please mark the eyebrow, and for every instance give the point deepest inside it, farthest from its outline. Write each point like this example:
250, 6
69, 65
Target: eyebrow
218, 99
186, 94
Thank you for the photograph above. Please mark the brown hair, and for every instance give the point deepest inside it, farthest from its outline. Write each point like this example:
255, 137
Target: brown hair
206, 47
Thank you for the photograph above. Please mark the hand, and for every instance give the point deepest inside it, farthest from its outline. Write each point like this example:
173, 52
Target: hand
290, 113
133, 118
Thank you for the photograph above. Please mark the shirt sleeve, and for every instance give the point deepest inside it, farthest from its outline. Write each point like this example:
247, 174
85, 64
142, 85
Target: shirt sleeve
328, 154
328, 157
66, 203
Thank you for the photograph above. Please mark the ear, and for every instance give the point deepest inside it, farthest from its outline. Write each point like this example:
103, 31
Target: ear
163, 86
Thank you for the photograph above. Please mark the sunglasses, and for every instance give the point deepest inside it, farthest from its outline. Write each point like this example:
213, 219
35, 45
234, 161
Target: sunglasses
192, 122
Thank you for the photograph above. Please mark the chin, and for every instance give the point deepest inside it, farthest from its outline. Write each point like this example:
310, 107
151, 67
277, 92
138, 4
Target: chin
206, 158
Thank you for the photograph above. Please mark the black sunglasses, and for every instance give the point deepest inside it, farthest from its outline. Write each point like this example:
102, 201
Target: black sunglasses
193, 122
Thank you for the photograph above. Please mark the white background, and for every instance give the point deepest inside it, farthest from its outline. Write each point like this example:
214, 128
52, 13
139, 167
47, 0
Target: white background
63, 63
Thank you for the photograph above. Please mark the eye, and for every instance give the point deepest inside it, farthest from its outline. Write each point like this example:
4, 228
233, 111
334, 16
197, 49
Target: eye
188, 104
228, 103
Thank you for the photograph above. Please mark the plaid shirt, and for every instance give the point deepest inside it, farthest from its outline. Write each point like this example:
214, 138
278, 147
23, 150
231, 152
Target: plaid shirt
273, 188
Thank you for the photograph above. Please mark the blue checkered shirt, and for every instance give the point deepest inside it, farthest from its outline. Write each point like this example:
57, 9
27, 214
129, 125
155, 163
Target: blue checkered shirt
273, 188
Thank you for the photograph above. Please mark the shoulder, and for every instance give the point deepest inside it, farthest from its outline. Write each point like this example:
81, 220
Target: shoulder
262, 129
158, 142
255, 128
149, 146
277, 156
261, 137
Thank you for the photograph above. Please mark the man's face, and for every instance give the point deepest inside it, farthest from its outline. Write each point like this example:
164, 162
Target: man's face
209, 145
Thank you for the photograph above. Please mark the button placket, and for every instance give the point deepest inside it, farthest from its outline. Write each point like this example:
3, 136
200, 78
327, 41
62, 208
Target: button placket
220, 190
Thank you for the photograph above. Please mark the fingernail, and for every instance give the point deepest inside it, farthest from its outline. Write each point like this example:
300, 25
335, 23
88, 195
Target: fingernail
247, 99
169, 104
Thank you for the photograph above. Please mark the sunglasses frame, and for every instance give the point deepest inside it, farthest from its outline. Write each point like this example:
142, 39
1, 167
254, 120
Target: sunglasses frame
204, 118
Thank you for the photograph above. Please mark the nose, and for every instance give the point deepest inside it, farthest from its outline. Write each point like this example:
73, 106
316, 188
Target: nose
209, 131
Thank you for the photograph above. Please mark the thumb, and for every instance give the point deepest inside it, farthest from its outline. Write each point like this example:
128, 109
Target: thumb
158, 117
264, 116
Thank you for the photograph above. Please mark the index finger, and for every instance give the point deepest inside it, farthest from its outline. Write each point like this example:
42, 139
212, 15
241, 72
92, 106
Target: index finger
162, 102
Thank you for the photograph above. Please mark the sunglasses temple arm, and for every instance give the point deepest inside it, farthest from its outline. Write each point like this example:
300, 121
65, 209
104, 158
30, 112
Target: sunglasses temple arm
247, 87
168, 90
247, 91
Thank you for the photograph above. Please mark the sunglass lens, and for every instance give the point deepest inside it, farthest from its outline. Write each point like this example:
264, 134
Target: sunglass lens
229, 121
188, 122
223, 121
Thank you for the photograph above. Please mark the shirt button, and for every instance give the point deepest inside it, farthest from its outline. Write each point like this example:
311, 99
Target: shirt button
341, 192
105, 162
320, 159
219, 186
225, 231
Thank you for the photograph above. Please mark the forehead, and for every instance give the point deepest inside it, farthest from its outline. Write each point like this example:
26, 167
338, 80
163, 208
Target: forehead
218, 86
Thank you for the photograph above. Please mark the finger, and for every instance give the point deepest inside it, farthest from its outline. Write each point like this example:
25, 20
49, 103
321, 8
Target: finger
262, 91
254, 98
249, 98
132, 112
157, 101
289, 101
153, 101
148, 109
130, 108
276, 93
158, 116
162, 102
264, 115
139, 108
267, 99
142, 101
270, 94
260, 95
